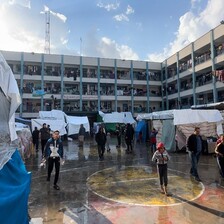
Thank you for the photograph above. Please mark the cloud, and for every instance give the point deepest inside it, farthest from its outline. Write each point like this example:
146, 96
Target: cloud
129, 10
121, 17
104, 47
191, 27
194, 3
23, 3
119, 51
124, 17
108, 7
26, 33
60, 16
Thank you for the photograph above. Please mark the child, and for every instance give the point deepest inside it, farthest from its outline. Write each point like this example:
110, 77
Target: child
161, 157
108, 142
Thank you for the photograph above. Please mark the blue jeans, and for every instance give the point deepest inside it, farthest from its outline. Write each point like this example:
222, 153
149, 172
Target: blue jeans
194, 163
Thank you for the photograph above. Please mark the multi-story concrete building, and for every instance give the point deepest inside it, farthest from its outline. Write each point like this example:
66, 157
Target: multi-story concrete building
86, 85
77, 85
195, 74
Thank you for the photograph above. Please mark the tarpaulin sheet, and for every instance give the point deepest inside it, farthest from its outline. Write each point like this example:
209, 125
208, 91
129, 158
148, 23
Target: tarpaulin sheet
75, 122
54, 125
9, 87
168, 135
14, 191
53, 114
196, 116
116, 117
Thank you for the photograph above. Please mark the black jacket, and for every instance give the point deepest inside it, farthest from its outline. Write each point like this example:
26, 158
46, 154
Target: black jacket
192, 143
101, 138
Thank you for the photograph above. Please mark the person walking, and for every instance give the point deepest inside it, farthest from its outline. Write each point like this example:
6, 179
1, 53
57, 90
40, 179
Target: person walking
101, 141
108, 141
161, 157
129, 135
35, 136
82, 132
44, 136
219, 150
118, 133
153, 134
53, 153
194, 144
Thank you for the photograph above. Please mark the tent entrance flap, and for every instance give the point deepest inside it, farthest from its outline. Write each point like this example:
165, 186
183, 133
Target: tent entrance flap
168, 135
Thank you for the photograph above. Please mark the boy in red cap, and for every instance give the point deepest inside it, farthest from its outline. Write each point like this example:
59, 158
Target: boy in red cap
161, 157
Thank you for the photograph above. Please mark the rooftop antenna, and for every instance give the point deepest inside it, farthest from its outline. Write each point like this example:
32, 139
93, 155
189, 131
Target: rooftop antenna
47, 32
80, 46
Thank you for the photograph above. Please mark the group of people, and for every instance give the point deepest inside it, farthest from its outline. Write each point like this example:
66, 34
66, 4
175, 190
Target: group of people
195, 148
44, 134
103, 139
52, 150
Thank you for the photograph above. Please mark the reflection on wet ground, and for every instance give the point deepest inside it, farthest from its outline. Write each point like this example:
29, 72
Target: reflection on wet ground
124, 188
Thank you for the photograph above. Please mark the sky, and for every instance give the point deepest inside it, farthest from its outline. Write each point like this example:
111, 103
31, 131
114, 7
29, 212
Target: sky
124, 29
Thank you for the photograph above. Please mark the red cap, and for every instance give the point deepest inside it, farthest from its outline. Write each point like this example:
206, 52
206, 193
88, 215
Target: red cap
160, 145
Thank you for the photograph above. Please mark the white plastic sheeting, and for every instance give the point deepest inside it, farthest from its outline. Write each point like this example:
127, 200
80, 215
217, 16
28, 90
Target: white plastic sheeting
53, 114
167, 114
196, 116
54, 125
75, 122
9, 87
209, 121
116, 117
58, 120
189, 117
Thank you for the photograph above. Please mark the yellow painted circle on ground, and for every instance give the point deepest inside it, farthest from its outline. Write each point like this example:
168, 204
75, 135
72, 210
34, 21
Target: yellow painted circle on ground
139, 185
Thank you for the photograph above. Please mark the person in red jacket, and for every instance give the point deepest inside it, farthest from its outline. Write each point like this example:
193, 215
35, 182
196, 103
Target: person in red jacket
161, 157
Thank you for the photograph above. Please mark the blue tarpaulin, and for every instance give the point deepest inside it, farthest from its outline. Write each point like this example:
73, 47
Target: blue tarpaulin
14, 191
141, 127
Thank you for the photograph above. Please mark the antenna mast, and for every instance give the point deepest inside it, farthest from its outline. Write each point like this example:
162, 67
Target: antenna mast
47, 32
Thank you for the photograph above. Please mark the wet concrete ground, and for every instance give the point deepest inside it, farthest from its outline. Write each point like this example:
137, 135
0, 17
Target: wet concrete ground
124, 188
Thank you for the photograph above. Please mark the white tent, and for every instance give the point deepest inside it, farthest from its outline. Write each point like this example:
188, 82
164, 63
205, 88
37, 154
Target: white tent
53, 114
75, 122
116, 117
54, 125
209, 121
54, 118
187, 117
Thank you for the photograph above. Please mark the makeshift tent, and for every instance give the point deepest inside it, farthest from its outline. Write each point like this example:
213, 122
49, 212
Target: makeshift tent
54, 118
24, 140
75, 122
53, 114
218, 106
54, 125
116, 117
209, 121
15, 180
141, 127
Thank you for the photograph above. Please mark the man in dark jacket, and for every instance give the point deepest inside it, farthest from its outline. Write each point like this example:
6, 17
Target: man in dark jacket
54, 151
194, 144
118, 133
81, 137
44, 136
129, 135
101, 141
35, 136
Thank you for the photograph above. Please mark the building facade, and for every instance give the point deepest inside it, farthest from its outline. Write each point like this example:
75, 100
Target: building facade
195, 74
81, 85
